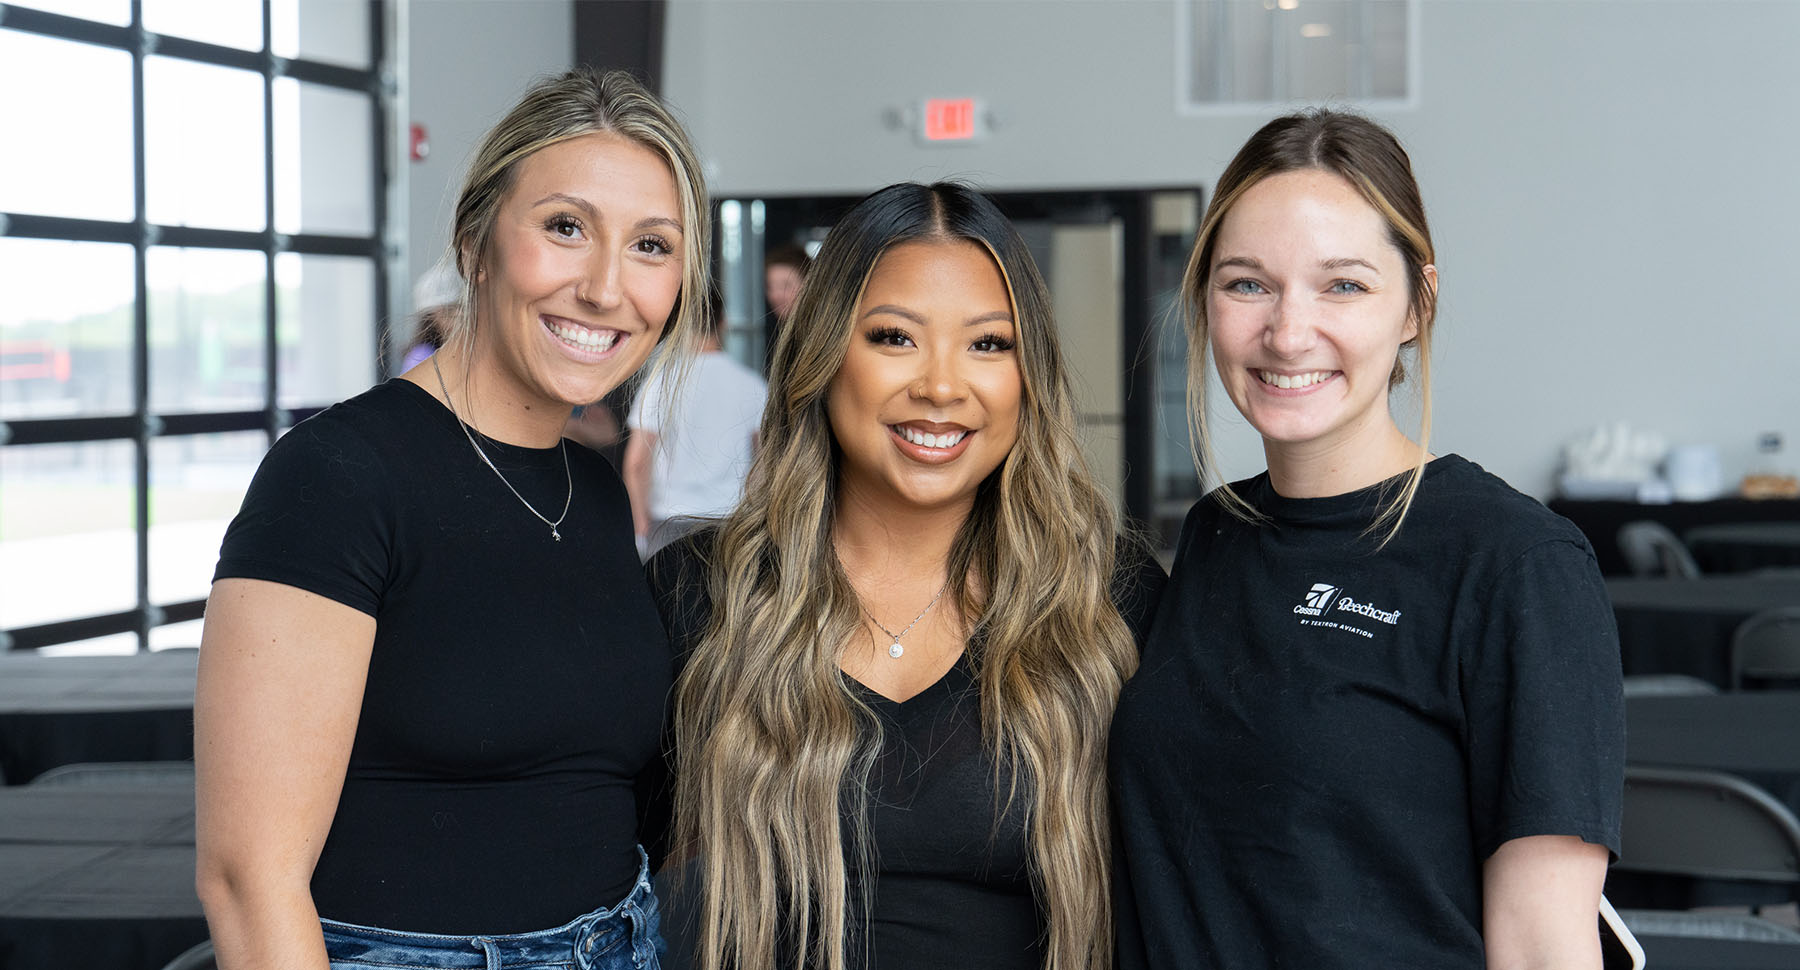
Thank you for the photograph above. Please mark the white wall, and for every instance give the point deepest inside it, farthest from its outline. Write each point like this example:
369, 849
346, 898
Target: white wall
1612, 183
468, 62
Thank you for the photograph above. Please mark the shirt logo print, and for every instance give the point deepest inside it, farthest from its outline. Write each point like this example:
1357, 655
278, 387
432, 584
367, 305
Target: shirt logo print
1318, 599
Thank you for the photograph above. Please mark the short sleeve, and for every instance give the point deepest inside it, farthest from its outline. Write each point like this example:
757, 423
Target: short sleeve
317, 516
647, 408
1545, 707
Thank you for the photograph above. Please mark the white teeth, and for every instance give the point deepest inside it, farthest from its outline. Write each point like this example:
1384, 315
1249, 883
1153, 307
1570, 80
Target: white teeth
930, 440
597, 340
1290, 381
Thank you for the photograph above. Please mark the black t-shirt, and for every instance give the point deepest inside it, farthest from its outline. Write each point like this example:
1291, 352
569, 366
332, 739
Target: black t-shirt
517, 683
952, 886
1325, 740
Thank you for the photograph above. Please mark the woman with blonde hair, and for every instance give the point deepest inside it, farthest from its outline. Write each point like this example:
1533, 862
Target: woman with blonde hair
432, 673
1378, 719
902, 649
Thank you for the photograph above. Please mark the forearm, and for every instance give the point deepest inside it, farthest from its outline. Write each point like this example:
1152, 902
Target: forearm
255, 925
637, 478
1541, 904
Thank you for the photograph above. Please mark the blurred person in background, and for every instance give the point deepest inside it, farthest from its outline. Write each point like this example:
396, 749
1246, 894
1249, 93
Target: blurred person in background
687, 455
784, 270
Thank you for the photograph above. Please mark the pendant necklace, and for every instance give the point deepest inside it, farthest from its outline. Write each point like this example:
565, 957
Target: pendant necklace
895, 650
562, 444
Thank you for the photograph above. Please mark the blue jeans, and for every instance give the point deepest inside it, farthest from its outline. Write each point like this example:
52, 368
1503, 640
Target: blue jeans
626, 936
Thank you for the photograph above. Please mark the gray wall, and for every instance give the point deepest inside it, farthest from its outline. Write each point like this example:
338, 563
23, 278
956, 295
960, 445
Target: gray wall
468, 61
1611, 184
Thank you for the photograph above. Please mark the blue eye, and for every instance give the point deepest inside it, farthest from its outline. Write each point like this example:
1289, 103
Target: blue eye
1347, 288
1245, 287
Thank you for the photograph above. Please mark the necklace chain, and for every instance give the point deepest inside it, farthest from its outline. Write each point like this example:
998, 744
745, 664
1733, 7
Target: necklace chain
562, 444
895, 650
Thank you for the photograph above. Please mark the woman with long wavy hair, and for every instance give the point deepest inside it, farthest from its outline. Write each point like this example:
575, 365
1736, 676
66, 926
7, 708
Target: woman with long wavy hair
904, 646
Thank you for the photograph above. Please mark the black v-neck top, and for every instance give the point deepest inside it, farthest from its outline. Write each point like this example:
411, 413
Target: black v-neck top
952, 884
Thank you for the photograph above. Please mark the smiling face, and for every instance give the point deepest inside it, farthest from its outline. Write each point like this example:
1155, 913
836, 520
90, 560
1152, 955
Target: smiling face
581, 272
1306, 309
926, 404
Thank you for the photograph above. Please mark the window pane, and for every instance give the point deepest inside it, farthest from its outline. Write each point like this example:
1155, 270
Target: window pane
197, 483
174, 636
323, 157
321, 30
203, 145
230, 23
67, 547
325, 327
80, 101
1385, 27
65, 328
105, 11
1317, 39
107, 646
206, 329
1251, 26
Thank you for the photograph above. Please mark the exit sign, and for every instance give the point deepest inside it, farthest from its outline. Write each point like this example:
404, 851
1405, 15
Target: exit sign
953, 120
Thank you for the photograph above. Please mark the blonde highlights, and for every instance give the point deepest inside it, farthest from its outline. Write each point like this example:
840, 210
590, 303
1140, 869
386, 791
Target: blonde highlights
776, 749
1367, 156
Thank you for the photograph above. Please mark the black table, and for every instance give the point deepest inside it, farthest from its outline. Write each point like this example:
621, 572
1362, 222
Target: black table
1689, 953
1684, 626
97, 877
61, 710
1754, 735
1600, 521
1741, 547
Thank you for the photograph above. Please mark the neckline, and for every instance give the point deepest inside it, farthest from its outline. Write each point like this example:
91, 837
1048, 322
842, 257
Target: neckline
451, 421
1360, 501
936, 686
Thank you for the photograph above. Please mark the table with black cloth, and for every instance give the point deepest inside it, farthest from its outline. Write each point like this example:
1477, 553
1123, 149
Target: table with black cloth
1600, 521
1752, 735
1684, 626
1741, 547
99, 877
1693, 953
62, 710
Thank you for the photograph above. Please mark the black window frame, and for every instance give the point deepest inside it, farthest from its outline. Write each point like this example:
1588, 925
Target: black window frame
142, 425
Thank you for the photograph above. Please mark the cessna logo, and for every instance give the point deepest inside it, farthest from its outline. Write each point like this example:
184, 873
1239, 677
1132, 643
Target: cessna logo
1318, 599
1324, 596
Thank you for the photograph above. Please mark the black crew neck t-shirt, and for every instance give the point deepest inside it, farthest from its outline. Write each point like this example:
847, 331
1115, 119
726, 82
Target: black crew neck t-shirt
516, 688
1325, 740
952, 884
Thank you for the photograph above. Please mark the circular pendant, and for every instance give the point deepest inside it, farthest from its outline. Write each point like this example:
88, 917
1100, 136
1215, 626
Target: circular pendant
895, 650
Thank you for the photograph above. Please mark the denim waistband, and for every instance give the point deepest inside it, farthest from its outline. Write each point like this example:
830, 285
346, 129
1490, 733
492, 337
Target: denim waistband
618, 936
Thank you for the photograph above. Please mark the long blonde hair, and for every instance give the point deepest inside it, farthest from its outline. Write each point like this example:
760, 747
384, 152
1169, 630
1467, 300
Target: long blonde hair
773, 745
1367, 156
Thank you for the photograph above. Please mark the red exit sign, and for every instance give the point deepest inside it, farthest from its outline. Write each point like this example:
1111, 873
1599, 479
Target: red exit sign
952, 119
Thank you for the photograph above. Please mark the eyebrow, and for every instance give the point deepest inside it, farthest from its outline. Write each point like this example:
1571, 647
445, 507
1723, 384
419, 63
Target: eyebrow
992, 316
588, 208
1340, 262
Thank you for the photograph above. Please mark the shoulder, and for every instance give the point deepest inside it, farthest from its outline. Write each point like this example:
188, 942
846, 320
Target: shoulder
349, 444
1137, 583
678, 581
1459, 498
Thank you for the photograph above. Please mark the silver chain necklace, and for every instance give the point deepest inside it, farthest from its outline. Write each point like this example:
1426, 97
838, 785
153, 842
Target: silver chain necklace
895, 650
562, 444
